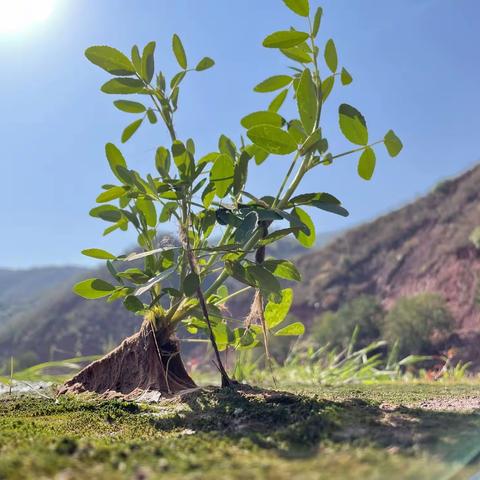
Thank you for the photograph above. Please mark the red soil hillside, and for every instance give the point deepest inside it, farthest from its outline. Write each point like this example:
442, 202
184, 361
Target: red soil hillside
423, 247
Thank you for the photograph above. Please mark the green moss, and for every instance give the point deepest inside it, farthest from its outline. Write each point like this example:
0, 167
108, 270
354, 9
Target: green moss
349, 432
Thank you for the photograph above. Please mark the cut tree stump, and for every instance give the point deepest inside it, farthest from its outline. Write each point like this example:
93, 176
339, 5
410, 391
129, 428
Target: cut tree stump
146, 362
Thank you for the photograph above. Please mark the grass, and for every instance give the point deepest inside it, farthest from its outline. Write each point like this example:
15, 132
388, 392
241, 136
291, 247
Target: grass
404, 431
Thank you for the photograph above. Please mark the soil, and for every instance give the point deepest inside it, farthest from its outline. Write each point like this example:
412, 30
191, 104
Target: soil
372, 431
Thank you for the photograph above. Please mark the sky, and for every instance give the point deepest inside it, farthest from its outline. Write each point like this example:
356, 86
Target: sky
415, 66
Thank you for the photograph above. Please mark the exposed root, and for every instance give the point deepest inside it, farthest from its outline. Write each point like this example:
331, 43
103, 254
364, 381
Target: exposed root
148, 361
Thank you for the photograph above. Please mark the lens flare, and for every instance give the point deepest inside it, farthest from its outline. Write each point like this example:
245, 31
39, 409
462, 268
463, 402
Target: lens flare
18, 15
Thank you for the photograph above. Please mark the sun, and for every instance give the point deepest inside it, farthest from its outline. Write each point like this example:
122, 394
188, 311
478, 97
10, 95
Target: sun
17, 15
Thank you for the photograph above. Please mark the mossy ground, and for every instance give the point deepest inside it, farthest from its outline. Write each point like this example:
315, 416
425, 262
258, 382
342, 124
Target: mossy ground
373, 432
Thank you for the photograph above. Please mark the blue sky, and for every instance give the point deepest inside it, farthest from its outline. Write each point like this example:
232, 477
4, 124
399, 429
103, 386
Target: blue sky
415, 68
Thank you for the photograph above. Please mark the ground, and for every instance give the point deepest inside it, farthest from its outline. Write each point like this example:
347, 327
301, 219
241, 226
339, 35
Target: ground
394, 431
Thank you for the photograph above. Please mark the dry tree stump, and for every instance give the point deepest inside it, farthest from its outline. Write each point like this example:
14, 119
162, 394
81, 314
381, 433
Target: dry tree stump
148, 361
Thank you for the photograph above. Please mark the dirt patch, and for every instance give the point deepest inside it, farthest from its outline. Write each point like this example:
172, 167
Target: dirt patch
471, 404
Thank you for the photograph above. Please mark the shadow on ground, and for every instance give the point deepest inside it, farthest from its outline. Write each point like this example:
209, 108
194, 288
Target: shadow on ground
296, 425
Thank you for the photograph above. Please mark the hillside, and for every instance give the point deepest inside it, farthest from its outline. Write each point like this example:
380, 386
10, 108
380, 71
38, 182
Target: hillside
61, 325
423, 247
23, 289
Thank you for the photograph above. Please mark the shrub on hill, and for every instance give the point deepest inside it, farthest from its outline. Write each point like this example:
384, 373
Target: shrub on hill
336, 328
417, 323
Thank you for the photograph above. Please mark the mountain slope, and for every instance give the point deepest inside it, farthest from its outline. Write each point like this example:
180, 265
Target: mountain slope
63, 325
424, 246
23, 289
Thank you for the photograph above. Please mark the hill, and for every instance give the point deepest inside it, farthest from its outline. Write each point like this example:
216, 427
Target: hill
431, 245
425, 246
21, 290
62, 325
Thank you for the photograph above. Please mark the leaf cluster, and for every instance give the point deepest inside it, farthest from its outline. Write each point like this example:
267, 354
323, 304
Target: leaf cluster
221, 223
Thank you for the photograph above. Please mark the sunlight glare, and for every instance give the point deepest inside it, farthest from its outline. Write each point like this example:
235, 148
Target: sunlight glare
17, 15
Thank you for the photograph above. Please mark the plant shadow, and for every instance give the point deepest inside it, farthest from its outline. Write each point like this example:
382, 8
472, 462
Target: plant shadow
298, 425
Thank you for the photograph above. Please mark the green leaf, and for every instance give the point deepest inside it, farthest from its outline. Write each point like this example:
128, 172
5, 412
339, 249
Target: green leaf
98, 253
262, 118
111, 229
131, 129
177, 79
296, 130
162, 161
222, 291
327, 87
260, 155
209, 157
220, 332
121, 224
110, 59
204, 64
294, 329
109, 213
298, 54
208, 195
147, 208
272, 139
262, 278
154, 281
241, 173
324, 201
313, 142
191, 284
366, 164
307, 101
111, 194
222, 174
133, 304
126, 176
307, 240
167, 211
393, 143
190, 145
316, 21
183, 159
244, 339
129, 107
122, 86
226, 145
331, 57
277, 102
238, 272
353, 125
179, 52
119, 293
277, 235
285, 39
273, 83
283, 269
148, 62
136, 59
300, 7
93, 288
276, 312
152, 117
345, 77
246, 228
